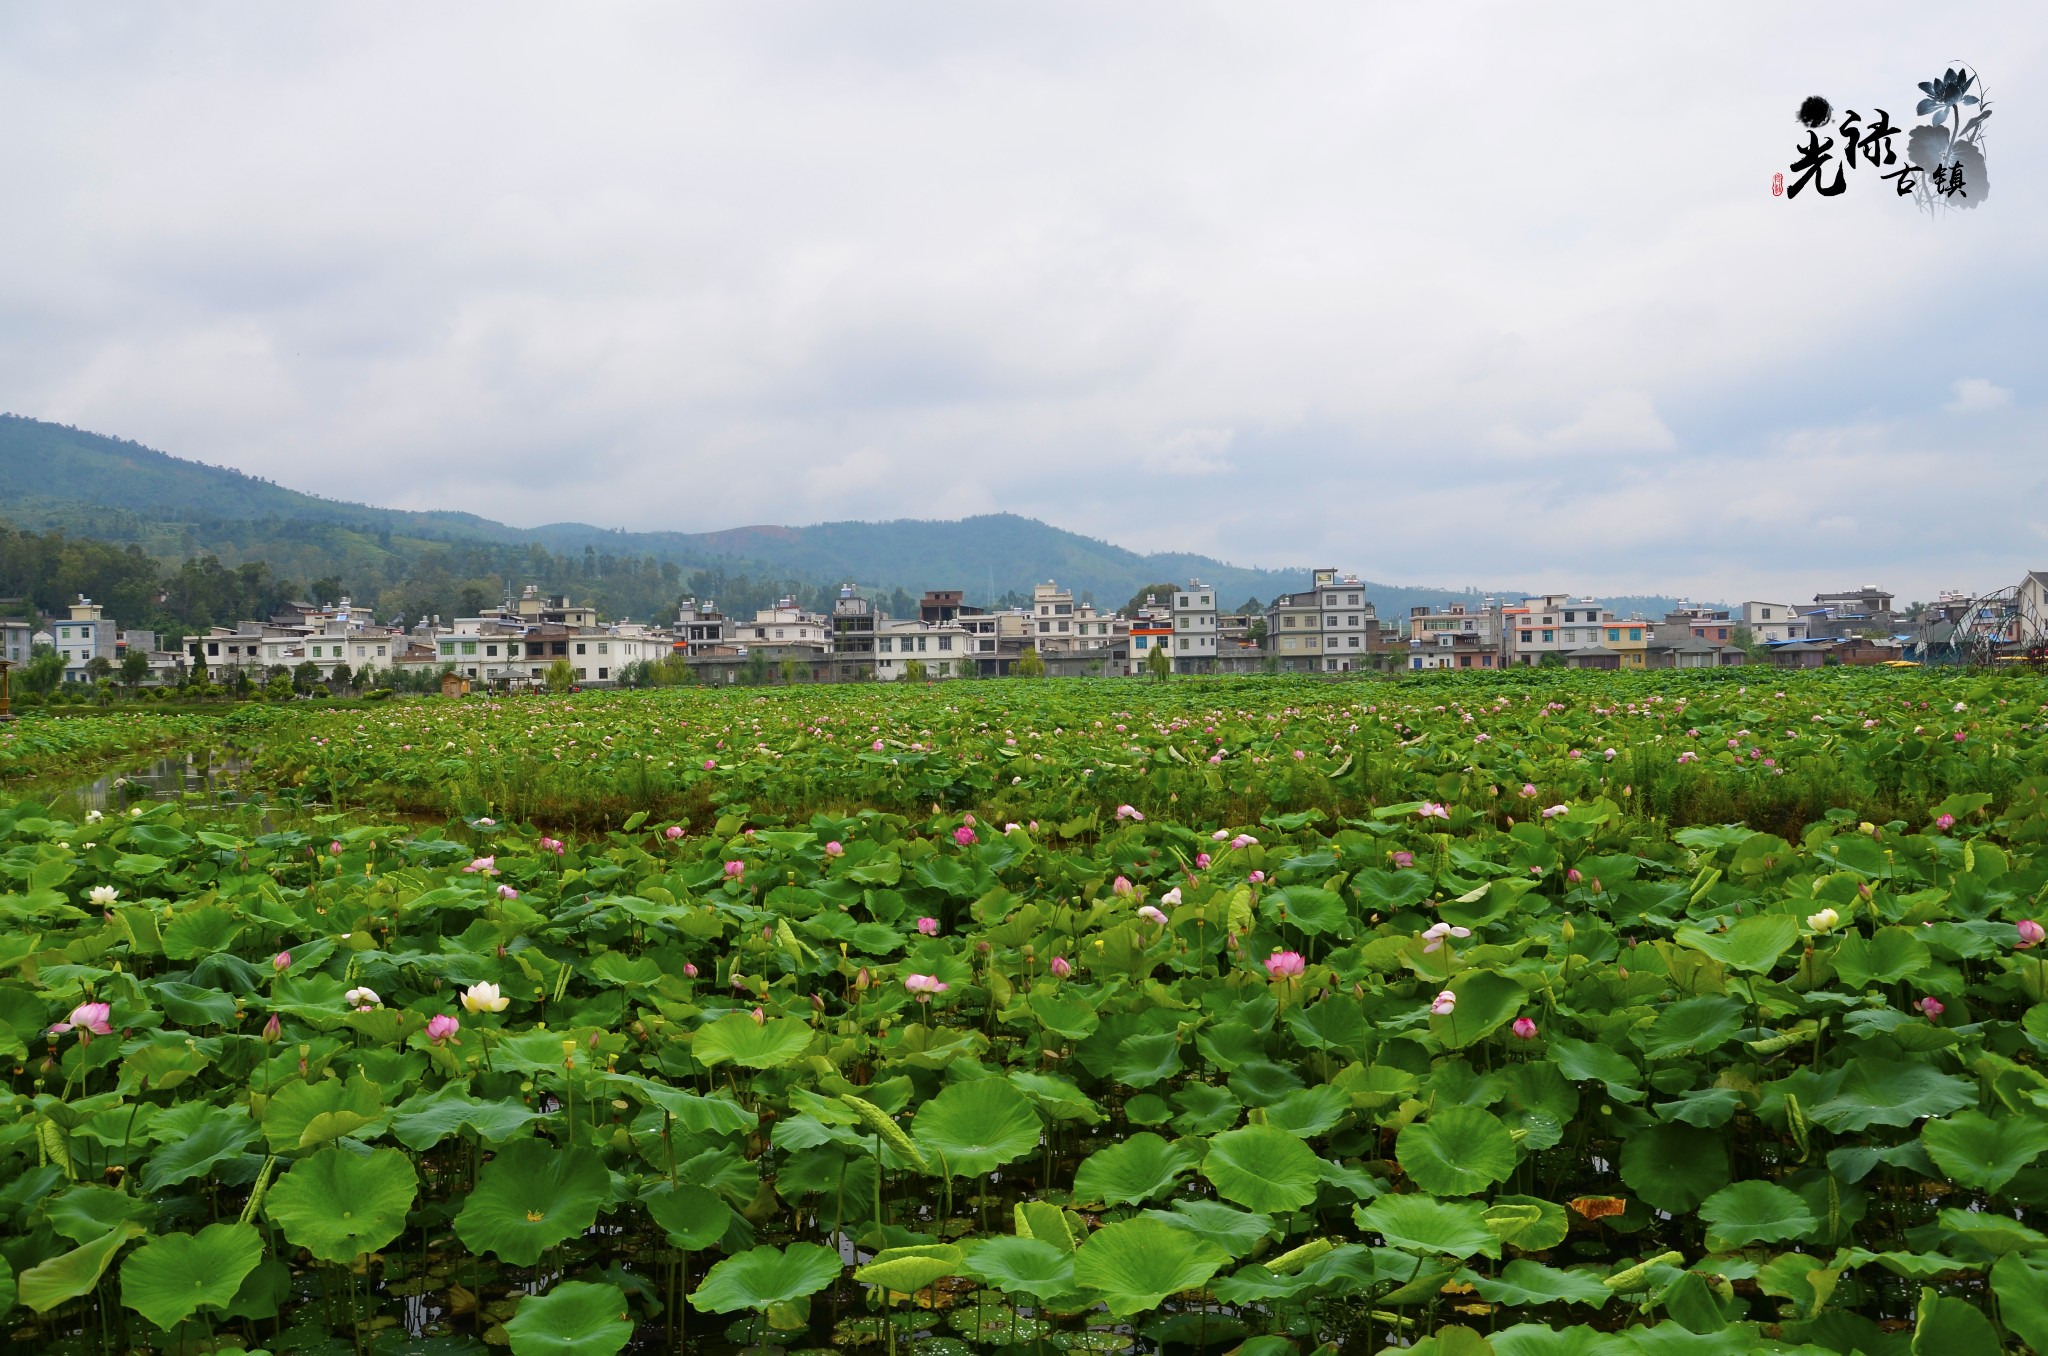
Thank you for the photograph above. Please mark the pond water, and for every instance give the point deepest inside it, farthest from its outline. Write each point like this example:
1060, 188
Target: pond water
209, 776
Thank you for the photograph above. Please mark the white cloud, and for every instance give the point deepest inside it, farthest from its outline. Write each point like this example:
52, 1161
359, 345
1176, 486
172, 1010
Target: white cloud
1613, 421
1191, 452
1977, 395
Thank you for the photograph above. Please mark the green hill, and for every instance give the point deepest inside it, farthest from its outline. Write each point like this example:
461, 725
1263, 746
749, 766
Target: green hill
112, 490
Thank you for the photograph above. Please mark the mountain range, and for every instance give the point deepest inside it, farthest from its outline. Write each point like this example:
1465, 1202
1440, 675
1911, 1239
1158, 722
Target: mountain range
53, 476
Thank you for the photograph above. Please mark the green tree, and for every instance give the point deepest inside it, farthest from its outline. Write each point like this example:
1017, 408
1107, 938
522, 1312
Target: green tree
913, 671
134, 668
339, 680
1157, 664
305, 675
791, 670
963, 668
1028, 664
758, 668
279, 688
44, 671
98, 667
561, 676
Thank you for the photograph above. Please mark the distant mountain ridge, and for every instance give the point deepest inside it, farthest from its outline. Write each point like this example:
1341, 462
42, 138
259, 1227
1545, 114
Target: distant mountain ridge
88, 484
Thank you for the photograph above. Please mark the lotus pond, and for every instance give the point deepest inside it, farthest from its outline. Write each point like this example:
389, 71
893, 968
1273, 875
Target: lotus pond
1581, 1013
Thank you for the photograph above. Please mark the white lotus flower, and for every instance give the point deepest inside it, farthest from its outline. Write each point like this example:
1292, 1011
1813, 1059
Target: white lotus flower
483, 997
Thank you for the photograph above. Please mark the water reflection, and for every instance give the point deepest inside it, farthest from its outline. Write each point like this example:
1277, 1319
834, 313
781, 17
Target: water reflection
208, 777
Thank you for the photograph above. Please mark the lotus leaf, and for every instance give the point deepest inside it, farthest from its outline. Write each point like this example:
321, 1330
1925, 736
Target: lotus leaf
530, 1197
173, 1277
575, 1318
1136, 1263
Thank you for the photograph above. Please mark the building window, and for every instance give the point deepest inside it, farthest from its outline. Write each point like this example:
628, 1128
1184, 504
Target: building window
469, 648
579, 647
601, 673
604, 647
945, 642
1547, 636
1635, 633
1044, 628
920, 644
489, 650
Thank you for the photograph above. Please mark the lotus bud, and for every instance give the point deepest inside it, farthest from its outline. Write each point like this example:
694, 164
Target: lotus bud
862, 980
272, 1031
1568, 932
817, 1002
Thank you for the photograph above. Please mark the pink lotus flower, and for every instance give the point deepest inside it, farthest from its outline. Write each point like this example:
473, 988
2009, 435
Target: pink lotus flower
1959, 736
1404, 859
928, 926
441, 1028
964, 836
1130, 812
334, 848
672, 832
553, 845
1433, 937
1553, 811
877, 746
734, 870
834, 849
1243, 840
738, 980
1528, 789
1061, 968
1220, 835
1572, 875
2031, 933
1256, 877
88, 1020
482, 866
1171, 899
507, 892
1945, 822
1299, 755
1431, 810
1285, 964
1152, 915
689, 970
760, 1017
1524, 1029
1931, 1006
273, 1030
924, 986
281, 962
1444, 1003
1122, 885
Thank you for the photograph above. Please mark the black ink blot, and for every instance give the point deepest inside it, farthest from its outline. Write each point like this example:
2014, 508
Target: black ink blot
1815, 111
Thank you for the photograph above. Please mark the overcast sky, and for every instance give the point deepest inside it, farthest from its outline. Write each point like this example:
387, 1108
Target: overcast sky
1440, 293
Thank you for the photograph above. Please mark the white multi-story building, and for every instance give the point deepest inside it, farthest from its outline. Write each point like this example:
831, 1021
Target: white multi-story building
786, 628
83, 637
1773, 623
1554, 623
1194, 628
941, 647
1349, 621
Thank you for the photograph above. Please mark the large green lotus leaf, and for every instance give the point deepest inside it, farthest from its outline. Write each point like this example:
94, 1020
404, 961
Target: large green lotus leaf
1263, 1168
87, 1212
977, 1127
1533, 1339
532, 1196
1309, 1112
304, 1114
1138, 1169
699, 1115
1691, 1025
1952, 1327
1980, 1151
1523, 1282
1458, 1151
1336, 1022
1142, 1061
1528, 1222
1309, 909
2021, 1284
1893, 954
1753, 945
423, 1121
1419, 1223
68, 1275
693, 1217
738, 1038
1890, 1092
1263, 1082
1674, 1167
1136, 1263
907, 1270
171, 1279
1583, 1061
205, 931
1022, 1266
576, 1318
1986, 1232
1755, 1212
1205, 1109
1238, 1231
766, 1276
223, 1134
1069, 1017
1059, 1098
1485, 1001
339, 1204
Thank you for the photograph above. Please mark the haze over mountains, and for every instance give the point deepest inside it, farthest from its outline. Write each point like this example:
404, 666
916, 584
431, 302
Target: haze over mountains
91, 485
